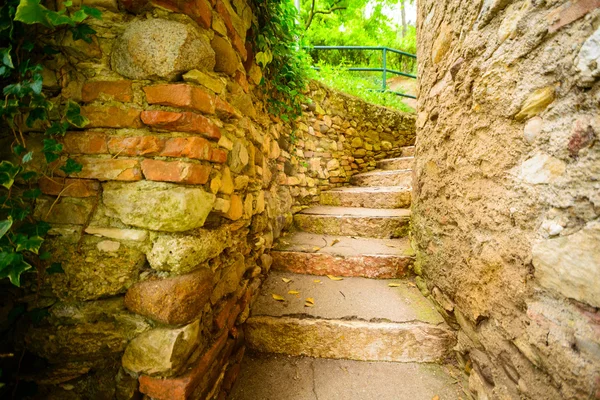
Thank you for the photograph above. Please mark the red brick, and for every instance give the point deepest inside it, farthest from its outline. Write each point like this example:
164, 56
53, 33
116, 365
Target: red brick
218, 156
198, 10
135, 146
189, 147
107, 90
224, 109
225, 313
84, 143
183, 387
240, 79
183, 122
238, 44
112, 117
175, 171
69, 187
181, 95
109, 169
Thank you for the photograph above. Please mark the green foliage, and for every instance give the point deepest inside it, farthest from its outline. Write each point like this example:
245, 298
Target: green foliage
359, 85
279, 53
25, 29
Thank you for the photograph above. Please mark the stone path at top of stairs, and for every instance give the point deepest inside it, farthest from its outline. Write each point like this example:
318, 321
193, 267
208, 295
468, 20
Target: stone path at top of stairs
339, 316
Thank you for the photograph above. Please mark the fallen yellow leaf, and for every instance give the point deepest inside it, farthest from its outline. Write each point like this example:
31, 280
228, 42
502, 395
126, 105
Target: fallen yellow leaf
286, 280
307, 304
335, 241
436, 397
310, 300
317, 281
335, 278
293, 292
393, 284
315, 249
277, 297
411, 284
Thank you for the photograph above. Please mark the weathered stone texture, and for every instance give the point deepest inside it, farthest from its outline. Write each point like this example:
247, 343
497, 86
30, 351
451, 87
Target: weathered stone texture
505, 201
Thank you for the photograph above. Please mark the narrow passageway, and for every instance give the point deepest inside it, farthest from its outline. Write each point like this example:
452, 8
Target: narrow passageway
340, 317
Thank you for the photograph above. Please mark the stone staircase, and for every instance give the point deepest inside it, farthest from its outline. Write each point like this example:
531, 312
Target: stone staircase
341, 292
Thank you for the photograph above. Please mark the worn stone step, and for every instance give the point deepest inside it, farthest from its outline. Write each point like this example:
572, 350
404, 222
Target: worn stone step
395, 163
262, 376
370, 196
408, 151
349, 221
353, 318
402, 177
309, 253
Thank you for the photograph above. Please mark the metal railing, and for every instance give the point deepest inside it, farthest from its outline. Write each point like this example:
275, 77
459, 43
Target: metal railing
384, 70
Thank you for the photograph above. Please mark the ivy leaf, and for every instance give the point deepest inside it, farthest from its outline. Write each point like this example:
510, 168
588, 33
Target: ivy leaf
12, 266
6, 57
28, 243
19, 149
71, 167
28, 46
5, 226
57, 128
27, 157
73, 115
79, 16
32, 12
8, 172
37, 83
92, 12
32, 193
83, 32
49, 50
39, 228
15, 272
29, 175
57, 19
36, 114
55, 268
51, 150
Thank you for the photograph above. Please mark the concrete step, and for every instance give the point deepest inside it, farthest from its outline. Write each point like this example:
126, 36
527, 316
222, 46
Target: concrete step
402, 177
395, 163
353, 318
273, 377
371, 196
348, 221
408, 151
309, 253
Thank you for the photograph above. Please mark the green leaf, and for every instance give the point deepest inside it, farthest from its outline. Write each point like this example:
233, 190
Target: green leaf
15, 272
19, 149
71, 167
45, 255
8, 172
39, 228
5, 226
32, 193
12, 266
49, 50
57, 19
27, 157
92, 12
6, 57
32, 12
29, 175
27, 243
83, 32
51, 150
79, 16
57, 128
55, 268
73, 115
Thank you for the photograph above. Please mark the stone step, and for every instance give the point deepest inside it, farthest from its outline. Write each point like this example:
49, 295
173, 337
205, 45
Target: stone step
349, 221
408, 151
370, 196
402, 177
395, 163
262, 376
353, 318
309, 253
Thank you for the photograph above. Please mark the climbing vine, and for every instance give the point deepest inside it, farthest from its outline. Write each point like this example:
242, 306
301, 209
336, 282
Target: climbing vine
279, 51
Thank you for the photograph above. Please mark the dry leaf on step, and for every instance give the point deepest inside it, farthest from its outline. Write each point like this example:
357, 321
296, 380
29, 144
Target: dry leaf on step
307, 304
335, 278
411, 284
315, 249
277, 297
317, 281
293, 292
436, 397
286, 280
310, 300
393, 284
335, 241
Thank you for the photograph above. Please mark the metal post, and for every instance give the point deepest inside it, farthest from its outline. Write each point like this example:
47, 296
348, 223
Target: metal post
384, 68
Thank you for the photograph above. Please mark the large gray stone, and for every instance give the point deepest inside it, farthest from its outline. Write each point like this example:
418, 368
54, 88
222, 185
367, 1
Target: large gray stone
225, 57
163, 351
158, 206
182, 254
571, 264
588, 60
161, 49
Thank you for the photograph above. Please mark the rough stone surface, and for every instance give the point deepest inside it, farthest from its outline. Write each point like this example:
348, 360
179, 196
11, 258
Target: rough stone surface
383, 178
396, 163
172, 301
161, 49
226, 58
163, 351
372, 197
158, 206
180, 254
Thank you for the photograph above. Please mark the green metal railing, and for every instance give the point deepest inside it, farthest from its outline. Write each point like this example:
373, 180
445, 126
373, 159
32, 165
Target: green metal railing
384, 70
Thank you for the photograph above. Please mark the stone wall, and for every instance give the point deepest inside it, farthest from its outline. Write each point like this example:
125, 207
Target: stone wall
186, 182
506, 201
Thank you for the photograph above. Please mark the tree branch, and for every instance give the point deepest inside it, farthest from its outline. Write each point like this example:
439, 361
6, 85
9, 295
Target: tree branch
313, 12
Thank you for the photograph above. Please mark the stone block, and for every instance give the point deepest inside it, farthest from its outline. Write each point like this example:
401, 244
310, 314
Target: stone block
107, 90
214, 83
176, 171
181, 95
226, 59
109, 169
68, 187
135, 146
181, 254
171, 301
163, 351
158, 206
67, 210
181, 122
189, 147
161, 49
